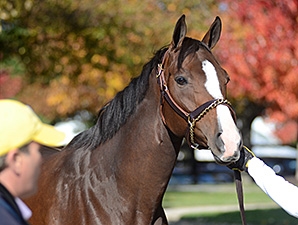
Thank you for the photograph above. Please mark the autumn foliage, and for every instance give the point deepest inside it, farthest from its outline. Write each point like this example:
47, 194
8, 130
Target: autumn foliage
10, 86
78, 56
259, 48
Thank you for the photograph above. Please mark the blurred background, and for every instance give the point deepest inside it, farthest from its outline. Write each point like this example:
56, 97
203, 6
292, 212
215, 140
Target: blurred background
68, 58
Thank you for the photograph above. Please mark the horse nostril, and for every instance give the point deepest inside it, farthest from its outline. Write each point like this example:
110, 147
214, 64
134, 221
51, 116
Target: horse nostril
240, 145
219, 142
236, 156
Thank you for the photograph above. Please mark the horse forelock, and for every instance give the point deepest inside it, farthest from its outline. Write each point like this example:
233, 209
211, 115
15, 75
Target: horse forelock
116, 112
189, 46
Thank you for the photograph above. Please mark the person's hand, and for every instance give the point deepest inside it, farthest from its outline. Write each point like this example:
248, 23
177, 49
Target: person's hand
241, 164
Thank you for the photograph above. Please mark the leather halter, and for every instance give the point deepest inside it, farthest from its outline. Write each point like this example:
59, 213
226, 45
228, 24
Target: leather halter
193, 117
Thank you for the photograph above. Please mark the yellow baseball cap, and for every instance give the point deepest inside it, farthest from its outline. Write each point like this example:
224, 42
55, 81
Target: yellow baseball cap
19, 125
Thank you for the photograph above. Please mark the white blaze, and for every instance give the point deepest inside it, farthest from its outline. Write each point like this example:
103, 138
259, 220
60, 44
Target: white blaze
212, 83
230, 134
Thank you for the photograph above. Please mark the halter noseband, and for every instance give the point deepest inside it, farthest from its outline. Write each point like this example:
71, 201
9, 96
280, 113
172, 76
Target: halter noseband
193, 117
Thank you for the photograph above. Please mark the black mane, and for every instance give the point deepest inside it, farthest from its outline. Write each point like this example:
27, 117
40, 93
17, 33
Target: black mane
115, 113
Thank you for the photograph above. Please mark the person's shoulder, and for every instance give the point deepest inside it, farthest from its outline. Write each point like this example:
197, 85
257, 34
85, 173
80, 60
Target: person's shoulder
6, 217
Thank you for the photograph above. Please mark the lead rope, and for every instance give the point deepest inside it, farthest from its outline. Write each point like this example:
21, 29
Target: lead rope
239, 190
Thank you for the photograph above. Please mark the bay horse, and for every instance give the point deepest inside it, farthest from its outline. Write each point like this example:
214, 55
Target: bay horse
117, 171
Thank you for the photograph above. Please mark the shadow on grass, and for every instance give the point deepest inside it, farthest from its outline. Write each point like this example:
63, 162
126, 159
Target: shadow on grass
253, 217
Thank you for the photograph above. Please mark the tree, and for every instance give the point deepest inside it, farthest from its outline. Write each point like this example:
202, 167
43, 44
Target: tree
259, 49
77, 56
10, 86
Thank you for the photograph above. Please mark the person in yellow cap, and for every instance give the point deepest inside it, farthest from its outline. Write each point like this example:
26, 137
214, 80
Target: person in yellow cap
21, 133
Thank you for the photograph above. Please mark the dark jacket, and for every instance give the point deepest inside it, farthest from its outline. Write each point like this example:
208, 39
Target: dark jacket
10, 213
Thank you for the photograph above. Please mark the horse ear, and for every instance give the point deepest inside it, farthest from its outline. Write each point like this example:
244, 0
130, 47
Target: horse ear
179, 33
213, 34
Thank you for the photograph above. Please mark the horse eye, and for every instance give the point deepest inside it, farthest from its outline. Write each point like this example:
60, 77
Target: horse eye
181, 80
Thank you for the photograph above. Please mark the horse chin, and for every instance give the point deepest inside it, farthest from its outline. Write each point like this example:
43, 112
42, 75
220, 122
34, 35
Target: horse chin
225, 161
219, 161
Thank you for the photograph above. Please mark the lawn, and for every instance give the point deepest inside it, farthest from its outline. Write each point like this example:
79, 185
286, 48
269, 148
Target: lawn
253, 217
224, 194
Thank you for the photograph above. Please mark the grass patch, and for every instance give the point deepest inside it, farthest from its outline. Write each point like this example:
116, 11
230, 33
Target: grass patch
253, 217
225, 195
182, 199
213, 195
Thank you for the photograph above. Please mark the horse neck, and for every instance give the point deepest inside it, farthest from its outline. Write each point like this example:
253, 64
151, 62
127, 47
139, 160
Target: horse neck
146, 151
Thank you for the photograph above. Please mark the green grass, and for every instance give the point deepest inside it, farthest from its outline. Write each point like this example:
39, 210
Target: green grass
213, 195
225, 195
253, 217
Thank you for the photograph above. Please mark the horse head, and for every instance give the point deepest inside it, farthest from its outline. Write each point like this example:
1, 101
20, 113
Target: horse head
193, 87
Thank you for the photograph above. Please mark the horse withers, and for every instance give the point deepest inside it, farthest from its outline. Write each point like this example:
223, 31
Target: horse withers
117, 171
